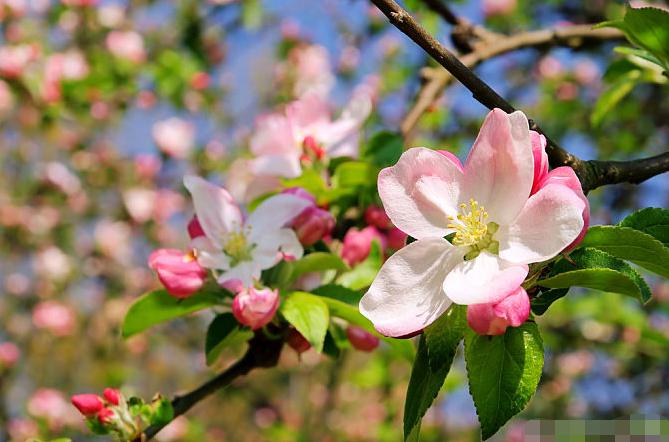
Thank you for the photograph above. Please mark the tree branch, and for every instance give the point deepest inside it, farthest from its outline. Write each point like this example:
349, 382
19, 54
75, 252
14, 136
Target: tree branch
592, 174
262, 353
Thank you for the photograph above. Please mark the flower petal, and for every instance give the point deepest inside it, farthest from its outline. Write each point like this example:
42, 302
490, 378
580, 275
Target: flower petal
484, 279
270, 246
420, 191
500, 167
273, 135
215, 209
245, 271
283, 165
549, 222
406, 295
274, 213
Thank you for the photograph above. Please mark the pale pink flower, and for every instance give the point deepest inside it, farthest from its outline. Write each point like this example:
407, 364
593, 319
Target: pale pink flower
498, 228
9, 354
111, 16
244, 185
113, 239
175, 431
13, 8
498, 7
313, 72
15, 59
550, 67
51, 405
69, 65
128, 45
140, 203
22, 429
147, 165
54, 316
587, 72
241, 248
52, 264
179, 272
358, 244
306, 131
255, 307
494, 318
174, 136
58, 175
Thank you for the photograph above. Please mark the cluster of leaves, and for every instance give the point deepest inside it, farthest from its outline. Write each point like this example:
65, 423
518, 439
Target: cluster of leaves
504, 371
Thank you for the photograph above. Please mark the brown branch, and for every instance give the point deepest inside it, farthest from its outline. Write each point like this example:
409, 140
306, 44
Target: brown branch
570, 36
262, 353
593, 173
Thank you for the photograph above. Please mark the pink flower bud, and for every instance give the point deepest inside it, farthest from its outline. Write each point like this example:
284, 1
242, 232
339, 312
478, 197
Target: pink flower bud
498, 7
112, 395
194, 228
87, 404
396, 238
200, 80
233, 285
106, 415
376, 216
255, 308
179, 272
313, 224
540, 159
361, 339
9, 354
493, 319
297, 342
358, 243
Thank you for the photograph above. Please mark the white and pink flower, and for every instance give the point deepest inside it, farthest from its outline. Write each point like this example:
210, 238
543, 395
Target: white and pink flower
174, 136
255, 307
238, 248
496, 226
128, 45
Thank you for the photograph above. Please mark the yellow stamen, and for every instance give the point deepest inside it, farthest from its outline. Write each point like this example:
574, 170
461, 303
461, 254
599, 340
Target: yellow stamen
237, 247
470, 224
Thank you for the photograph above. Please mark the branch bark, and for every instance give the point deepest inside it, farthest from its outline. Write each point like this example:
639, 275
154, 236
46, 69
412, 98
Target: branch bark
593, 173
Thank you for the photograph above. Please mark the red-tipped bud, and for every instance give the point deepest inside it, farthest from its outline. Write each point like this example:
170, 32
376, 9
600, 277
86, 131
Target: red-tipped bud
311, 146
106, 415
297, 342
255, 308
361, 339
313, 224
87, 404
112, 395
358, 243
179, 272
493, 319
194, 228
376, 216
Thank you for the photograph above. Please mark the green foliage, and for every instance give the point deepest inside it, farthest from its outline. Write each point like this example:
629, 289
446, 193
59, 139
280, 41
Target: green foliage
364, 273
503, 373
159, 306
652, 220
339, 293
316, 262
352, 174
309, 315
223, 332
384, 148
436, 350
161, 411
631, 245
595, 269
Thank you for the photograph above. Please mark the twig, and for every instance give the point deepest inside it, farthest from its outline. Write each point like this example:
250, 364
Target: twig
592, 174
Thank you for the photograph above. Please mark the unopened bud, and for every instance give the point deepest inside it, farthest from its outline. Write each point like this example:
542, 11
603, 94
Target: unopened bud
112, 395
87, 404
297, 342
361, 339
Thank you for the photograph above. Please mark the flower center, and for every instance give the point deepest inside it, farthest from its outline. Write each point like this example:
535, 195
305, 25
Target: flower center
472, 230
237, 248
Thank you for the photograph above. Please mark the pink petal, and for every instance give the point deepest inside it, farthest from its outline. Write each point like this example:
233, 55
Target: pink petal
499, 169
493, 319
540, 159
407, 294
420, 191
215, 209
273, 136
484, 279
274, 213
454, 159
282, 165
307, 113
549, 222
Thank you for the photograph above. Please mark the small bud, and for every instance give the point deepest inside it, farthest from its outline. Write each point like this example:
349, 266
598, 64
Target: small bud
255, 308
313, 224
106, 415
297, 342
9, 354
361, 339
396, 238
493, 319
358, 243
377, 217
87, 404
112, 395
179, 272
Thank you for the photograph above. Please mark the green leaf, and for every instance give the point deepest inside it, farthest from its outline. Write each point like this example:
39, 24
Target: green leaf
436, 350
364, 273
503, 373
649, 29
599, 270
162, 411
612, 96
317, 262
631, 245
339, 293
352, 174
384, 148
159, 306
309, 315
545, 299
652, 220
223, 332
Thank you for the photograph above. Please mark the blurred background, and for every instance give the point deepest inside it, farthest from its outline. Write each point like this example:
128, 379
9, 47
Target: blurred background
105, 105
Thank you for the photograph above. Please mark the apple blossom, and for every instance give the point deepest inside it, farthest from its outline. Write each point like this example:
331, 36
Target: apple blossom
55, 317
87, 404
255, 308
494, 318
179, 272
128, 45
15, 59
313, 72
241, 248
495, 227
313, 223
174, 136
306, 132
358, 244
361, 339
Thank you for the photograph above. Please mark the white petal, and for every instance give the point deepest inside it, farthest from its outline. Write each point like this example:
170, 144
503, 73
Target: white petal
486, 278
407, 294
551, 219
268, 246
283, 165
500, 167
215, 209
245, 271
420, 191
274, 213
